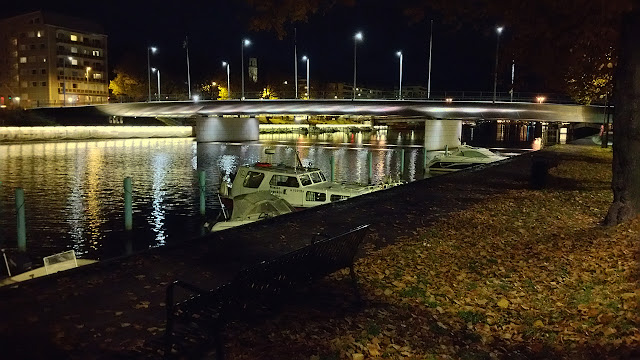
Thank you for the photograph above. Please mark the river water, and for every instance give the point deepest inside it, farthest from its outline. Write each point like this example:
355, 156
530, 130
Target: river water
74, 189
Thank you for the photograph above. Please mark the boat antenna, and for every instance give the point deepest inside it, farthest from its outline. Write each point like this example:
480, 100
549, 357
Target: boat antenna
6, 262
298, 162
223, 208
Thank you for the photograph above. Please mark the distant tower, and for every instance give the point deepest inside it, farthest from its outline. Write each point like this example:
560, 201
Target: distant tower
253, 69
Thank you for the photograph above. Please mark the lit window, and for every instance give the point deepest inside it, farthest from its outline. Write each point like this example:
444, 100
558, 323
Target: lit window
74, 37
97, 76
74, 50
23, 60
14, 41
74, 61
96, 53
39, 34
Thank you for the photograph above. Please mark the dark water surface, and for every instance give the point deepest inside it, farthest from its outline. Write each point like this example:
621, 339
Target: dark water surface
74, 189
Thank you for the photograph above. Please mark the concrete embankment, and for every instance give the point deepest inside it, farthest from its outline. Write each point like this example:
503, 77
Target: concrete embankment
29, 133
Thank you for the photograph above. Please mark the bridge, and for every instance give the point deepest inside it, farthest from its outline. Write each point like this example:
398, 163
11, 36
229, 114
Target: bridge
235, 120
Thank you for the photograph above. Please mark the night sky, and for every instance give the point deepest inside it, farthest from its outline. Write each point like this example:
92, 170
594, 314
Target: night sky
463, 58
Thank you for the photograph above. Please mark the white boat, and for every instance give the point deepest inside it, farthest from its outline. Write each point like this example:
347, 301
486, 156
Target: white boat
251, 207
300, 186
461, 158
57, 262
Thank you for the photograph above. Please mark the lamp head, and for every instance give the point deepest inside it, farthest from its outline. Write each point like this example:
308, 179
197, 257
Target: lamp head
399, 53
224, 63
358, 36
153, 69
305, 58
153, 49
499, 29
246, 42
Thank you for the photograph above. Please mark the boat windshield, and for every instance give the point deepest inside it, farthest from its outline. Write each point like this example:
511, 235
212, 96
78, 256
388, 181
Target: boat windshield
317, 177
305, 180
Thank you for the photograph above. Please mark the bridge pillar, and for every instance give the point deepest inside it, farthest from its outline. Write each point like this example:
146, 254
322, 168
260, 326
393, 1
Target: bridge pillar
210, 129
438, 133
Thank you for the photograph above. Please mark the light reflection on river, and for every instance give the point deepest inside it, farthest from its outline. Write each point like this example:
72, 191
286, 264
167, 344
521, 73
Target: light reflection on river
74, 189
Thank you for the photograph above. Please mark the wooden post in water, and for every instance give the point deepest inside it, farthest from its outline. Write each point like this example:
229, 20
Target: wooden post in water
401, 162
424, 160
22, 224
128, 204
370, 166
201, 185
333, 168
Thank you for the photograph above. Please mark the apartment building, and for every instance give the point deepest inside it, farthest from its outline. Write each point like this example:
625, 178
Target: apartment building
49, 59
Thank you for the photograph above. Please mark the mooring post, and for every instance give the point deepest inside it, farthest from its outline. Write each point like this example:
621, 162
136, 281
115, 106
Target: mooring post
424, 160
401, 162
370, 166
201, 185
22, 225
128, 204
333, 168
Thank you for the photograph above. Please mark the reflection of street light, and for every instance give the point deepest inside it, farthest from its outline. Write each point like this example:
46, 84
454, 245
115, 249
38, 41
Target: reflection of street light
64, 78
226, 64
399, 53
357, 37
158, 70
540, 99
245, 42
495, 78
305, 58
150, 49
87, 96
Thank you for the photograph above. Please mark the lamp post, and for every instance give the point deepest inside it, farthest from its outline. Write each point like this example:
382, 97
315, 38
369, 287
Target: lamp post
226, 64
157, 70
357, 37
245, 42
399, 53
150, 49
86, 95
495, 73
305, 58
64, 79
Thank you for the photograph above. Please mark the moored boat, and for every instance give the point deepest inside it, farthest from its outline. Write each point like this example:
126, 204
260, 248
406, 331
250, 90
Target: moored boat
300, 186
463, 157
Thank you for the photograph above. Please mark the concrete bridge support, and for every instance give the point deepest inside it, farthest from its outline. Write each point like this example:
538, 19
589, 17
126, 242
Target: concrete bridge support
438, 133
210, 129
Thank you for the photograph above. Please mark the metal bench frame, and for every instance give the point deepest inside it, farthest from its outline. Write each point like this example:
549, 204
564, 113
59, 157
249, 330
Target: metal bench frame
261, 286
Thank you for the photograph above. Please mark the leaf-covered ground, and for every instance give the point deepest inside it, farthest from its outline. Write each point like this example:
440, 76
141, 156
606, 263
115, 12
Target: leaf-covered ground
523, 274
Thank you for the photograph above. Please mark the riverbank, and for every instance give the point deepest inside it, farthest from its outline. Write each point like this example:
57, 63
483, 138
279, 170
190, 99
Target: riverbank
470, 265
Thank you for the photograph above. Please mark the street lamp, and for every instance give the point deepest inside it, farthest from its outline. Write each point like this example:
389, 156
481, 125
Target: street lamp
150, 49
158, 70
245, 42
357, 37
226, 64
399, 53
495, 77
64, 79
305, 58
87, 94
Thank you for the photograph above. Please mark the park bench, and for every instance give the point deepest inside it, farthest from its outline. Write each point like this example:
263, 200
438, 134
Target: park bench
258, 288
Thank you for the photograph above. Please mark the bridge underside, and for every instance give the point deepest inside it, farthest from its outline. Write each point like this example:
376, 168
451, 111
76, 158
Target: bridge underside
209, 129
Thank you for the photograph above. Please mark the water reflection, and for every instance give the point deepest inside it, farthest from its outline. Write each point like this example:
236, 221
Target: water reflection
74, 195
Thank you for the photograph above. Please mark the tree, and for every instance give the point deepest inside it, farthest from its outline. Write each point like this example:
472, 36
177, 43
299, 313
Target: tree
626, 145
128, 85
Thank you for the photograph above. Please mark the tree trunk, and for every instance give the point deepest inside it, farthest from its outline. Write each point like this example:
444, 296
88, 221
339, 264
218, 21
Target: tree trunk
626, 143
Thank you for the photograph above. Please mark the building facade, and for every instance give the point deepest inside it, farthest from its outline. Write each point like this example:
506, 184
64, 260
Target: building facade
48, 59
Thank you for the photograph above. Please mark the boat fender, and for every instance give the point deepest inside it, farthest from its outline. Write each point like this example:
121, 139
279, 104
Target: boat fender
263, 164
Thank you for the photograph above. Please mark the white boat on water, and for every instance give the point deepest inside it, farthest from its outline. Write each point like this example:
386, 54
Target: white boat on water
300, 186
52, 264
251, 207
463, 157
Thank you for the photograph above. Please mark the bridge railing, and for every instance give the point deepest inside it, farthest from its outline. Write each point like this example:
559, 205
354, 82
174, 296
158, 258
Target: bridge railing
361, 94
